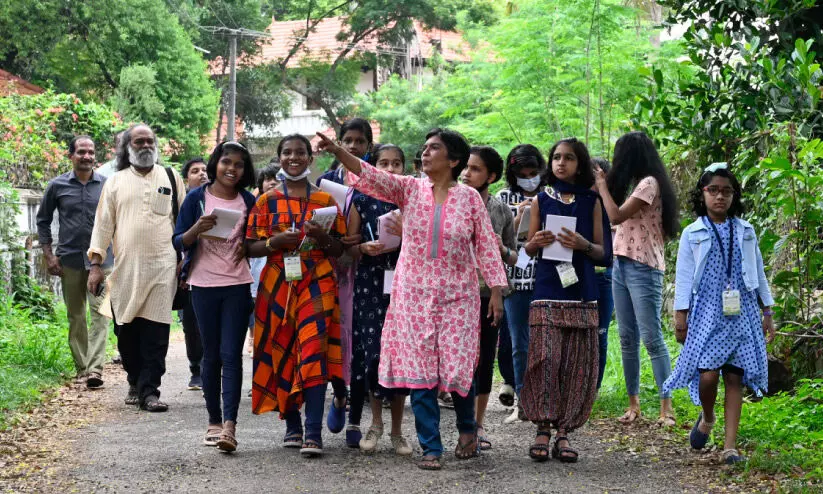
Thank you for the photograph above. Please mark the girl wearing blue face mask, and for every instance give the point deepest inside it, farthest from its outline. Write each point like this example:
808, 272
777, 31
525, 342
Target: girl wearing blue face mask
525, 171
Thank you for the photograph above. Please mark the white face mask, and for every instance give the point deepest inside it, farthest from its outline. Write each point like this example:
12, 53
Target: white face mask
529, 184
281, 175
143, 158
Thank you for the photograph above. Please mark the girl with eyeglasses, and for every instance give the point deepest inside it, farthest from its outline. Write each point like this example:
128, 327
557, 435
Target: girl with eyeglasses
640, 200
720, 289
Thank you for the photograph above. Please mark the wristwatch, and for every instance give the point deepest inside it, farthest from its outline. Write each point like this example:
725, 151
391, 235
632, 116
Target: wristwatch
268, 244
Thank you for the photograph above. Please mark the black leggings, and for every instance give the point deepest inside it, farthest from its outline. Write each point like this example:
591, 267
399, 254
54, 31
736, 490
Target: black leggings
488, 347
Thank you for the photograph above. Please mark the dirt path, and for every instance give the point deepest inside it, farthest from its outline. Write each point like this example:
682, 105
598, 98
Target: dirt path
91, 442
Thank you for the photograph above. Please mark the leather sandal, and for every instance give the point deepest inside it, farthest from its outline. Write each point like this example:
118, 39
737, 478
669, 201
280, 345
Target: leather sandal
228, 442
540, 451
153, 404
564, 454
430, 463
631, 416
312, 448
467, 450
212, 434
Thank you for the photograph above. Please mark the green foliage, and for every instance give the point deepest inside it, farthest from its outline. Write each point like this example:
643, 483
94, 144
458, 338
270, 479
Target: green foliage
35, 131
750, 94
546, 71
136, 97
34, 355
93, 41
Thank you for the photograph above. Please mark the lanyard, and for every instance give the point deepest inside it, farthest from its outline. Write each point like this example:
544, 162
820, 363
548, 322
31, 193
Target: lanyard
302, 210
722, 250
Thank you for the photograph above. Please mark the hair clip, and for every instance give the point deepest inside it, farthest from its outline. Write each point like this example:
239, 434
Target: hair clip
716, 166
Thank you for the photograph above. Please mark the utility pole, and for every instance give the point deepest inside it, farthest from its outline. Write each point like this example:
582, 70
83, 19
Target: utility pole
232, 85
233, 34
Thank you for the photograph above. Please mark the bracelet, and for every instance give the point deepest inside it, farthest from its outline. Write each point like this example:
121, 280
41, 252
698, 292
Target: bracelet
768, 312
589, 248
508, 253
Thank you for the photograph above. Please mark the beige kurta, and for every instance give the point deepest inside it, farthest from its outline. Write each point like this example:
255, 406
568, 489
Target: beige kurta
135, 213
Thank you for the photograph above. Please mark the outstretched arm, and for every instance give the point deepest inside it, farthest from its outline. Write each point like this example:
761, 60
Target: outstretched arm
350, 161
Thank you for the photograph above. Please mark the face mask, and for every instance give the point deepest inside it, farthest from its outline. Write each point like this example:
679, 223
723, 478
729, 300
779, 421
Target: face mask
529, 184
281, 175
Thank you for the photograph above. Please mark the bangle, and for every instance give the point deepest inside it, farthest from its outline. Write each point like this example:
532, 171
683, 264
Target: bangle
589, 248
768, 312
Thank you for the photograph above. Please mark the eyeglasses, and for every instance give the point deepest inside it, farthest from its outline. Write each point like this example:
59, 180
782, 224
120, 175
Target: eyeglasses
714, 190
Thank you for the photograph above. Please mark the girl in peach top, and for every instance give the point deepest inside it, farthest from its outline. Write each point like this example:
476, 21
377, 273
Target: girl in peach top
645, 219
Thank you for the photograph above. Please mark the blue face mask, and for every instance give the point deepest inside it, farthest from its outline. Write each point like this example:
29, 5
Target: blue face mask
366, 157
529, 184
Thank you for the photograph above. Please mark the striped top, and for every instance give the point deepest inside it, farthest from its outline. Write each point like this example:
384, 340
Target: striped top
135, 214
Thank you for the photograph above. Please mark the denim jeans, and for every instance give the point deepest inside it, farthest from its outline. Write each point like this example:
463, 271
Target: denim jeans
517, 315
638, 299
605, 307
504, 353
222, 314
427, 418
315, 400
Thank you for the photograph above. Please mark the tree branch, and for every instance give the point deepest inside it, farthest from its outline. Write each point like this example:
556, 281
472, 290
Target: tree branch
310, 25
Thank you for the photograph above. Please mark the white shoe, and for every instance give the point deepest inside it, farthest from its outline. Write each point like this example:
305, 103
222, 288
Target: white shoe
514, 417
506, 395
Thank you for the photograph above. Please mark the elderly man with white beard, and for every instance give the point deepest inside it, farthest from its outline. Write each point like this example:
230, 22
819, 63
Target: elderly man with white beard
135, 213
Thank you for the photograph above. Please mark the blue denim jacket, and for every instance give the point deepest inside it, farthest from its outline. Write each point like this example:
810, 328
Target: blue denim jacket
695, 243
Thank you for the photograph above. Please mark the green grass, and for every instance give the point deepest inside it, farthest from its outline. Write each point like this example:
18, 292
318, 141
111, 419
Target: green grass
781, 434
34, 356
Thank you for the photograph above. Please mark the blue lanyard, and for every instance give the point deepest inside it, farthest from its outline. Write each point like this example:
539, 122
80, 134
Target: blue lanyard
723, 251
303, 210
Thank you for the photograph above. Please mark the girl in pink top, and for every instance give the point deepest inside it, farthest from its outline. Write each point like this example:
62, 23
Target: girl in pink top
640, 200
431, 333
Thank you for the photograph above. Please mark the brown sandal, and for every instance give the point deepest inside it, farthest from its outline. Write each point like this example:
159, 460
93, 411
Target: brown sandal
429, 463
630, 416
667, 420
213, 433
227, 442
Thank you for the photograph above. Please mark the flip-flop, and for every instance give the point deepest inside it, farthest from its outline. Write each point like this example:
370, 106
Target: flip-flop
460, 450
697, 438
483, 440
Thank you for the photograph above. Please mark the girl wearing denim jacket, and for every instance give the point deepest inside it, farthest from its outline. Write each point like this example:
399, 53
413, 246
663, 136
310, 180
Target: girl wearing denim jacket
720, 288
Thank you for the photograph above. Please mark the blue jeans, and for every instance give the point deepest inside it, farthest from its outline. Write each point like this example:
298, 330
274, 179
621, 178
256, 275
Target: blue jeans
605, 307
314, 399
504, 353
517, 315
638, 299
222, 315
427, 418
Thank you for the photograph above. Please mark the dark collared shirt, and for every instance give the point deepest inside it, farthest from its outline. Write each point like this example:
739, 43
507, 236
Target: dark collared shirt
76, 204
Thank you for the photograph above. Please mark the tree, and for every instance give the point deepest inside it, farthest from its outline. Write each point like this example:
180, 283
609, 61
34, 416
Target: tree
330, 83
96, 39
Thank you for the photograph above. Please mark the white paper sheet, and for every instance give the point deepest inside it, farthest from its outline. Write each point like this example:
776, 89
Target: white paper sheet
555, 224
324, 217
523, 258
226, 221
389, 240
339, 192
388, 281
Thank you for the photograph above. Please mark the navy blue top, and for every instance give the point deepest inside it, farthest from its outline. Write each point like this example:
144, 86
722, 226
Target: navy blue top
190, 212
370, 210
335, 176
547, 281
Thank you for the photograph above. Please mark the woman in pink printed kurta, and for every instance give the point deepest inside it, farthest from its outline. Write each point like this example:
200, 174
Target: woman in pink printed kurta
431, 333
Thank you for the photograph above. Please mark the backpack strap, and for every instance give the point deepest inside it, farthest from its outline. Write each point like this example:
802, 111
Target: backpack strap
175, 207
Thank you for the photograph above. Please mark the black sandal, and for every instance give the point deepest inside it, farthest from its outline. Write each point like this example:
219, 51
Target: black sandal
539, 451
460, 450
429, 463
312, 448
564, 454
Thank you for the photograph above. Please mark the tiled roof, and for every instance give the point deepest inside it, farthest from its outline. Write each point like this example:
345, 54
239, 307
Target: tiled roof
331, 134
11, 84
322, 43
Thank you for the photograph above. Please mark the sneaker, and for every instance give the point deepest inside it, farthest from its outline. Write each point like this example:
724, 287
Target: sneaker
195, 383
401, 446
116, 359
94, 380
336, 418
369, 443
353, 436
506, 395
517, 415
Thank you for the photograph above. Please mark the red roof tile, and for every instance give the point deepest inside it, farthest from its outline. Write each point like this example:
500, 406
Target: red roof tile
11, 84
322, 43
